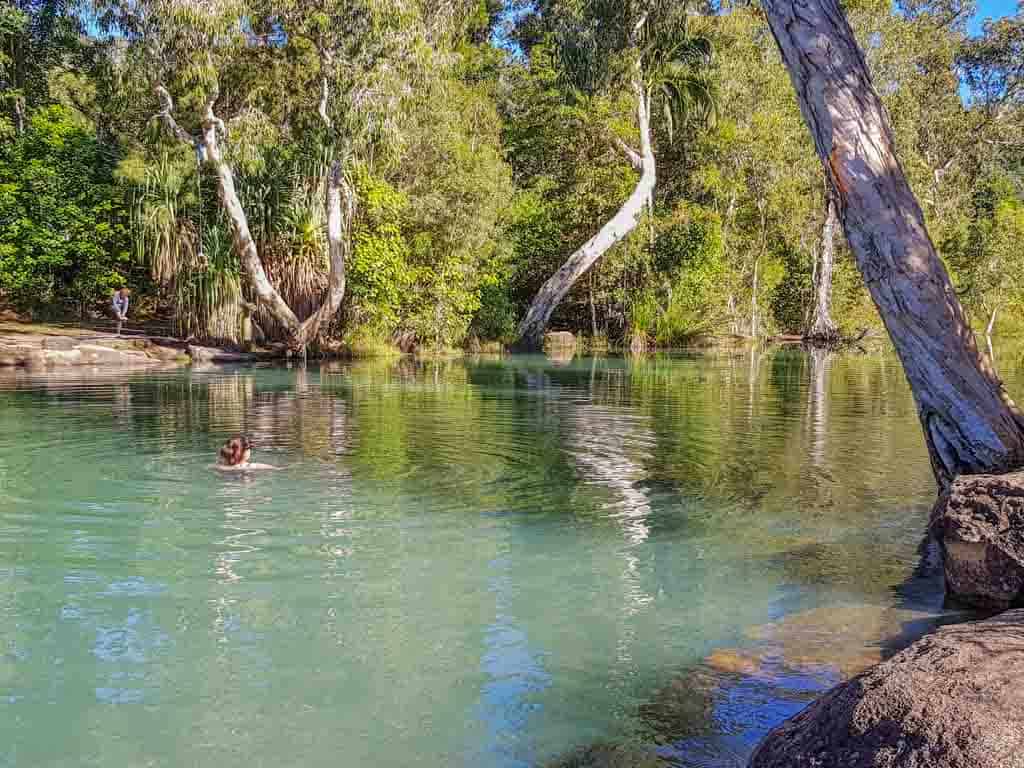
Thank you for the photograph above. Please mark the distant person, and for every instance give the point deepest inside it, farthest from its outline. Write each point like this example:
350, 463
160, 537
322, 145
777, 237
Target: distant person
236, 453
120, 306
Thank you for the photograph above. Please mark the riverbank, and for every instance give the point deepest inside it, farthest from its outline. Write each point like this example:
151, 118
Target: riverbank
42, 346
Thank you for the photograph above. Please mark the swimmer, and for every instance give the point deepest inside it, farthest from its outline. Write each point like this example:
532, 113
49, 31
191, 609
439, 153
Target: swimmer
236, 453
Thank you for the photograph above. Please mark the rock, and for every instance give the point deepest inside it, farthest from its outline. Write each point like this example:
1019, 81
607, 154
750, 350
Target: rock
167, 353
951, 700
979, 525
60, 342
95, 354
215, 355
608, 756
24, 355
63, 357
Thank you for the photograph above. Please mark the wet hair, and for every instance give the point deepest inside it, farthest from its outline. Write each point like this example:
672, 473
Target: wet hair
233, 451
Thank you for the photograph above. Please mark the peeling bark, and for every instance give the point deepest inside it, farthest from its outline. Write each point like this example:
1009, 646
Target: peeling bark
823, 329
970, 424
530, 334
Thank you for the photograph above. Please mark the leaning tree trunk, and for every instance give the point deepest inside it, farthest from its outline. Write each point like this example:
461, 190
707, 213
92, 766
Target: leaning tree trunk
970, 424
823, 330
530, 334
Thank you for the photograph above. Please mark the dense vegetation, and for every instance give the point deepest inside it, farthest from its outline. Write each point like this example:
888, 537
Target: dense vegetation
479, 145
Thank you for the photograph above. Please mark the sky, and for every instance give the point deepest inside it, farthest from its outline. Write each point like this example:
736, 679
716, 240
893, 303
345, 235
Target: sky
991, 9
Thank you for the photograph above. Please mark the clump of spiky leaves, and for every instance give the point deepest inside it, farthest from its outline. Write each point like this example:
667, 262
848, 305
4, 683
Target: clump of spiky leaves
188, 251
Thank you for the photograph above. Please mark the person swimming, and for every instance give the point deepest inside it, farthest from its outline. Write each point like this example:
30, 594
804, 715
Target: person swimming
236, 453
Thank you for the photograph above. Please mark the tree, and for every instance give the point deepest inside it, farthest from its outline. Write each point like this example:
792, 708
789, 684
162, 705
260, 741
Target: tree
823, 329
970, 424
665, 61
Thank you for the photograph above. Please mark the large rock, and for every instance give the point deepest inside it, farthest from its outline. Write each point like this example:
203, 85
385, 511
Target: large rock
954, 699
979, 525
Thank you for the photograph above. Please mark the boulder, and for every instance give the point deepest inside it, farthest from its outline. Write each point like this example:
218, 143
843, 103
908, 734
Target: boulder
953, 699
979, 525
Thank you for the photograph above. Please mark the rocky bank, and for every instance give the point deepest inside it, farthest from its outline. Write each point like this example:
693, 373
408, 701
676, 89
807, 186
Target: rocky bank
953, 699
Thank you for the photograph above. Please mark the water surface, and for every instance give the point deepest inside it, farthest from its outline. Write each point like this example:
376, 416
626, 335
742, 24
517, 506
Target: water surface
462, 563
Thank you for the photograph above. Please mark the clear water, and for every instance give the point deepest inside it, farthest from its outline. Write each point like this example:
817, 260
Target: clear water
460, 564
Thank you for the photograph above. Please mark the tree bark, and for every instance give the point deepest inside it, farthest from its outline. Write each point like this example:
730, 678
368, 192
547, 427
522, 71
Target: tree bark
823, 329
970, 424
340, 204
530, 334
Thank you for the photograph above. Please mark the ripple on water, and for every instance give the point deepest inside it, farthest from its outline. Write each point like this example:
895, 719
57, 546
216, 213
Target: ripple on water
459, 564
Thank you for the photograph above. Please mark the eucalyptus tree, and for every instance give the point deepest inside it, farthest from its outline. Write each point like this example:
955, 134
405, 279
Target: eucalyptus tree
649, 47
970, 423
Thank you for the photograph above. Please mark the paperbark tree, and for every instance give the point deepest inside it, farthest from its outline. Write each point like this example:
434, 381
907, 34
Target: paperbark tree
667, 62
823, 330
970, 424
530, 332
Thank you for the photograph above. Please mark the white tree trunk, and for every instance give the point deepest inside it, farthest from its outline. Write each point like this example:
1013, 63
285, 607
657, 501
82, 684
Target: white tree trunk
340, 204
823, 329
753, 300
970, 424
530, 334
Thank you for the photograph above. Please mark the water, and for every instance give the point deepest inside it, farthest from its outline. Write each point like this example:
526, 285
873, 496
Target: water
460, 564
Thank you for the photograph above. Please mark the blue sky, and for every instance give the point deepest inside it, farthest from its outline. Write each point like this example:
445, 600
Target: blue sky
991, 9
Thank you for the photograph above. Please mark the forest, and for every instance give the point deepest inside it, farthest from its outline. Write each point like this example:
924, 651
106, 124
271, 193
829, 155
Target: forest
438, 174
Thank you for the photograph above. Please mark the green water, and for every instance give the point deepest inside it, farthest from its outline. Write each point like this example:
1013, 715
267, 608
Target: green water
460, 563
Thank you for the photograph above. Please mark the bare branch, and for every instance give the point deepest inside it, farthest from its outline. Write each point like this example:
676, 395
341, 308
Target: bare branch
322, 107
634, 157
166, 116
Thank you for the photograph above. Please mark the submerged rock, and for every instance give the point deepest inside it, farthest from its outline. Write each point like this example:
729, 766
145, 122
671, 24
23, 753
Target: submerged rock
608, 756
979, 524
950, 700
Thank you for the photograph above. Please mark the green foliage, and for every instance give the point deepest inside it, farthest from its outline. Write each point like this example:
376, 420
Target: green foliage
477, 170
63, 235
688, 257
378, 270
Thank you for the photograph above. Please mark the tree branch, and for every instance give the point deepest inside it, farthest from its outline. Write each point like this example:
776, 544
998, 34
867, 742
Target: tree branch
634, 157
167, 117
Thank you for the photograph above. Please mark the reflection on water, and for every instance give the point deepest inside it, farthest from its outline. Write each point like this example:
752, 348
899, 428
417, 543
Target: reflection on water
488, 563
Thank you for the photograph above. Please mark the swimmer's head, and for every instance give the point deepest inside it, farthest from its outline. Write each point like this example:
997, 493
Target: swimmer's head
237, 450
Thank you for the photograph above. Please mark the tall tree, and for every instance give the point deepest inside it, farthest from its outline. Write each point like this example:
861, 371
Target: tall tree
970, 423
665, 62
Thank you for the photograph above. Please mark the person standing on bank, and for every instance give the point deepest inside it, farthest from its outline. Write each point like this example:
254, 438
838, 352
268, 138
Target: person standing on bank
120, 306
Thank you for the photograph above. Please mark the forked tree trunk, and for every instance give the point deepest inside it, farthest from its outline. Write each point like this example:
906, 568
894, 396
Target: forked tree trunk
530, 334
823, 329
207, 145
970, 424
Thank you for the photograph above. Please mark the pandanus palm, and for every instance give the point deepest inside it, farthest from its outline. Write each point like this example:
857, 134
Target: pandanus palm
669, 67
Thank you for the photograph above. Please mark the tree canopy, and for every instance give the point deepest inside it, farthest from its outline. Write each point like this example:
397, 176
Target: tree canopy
478, 145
